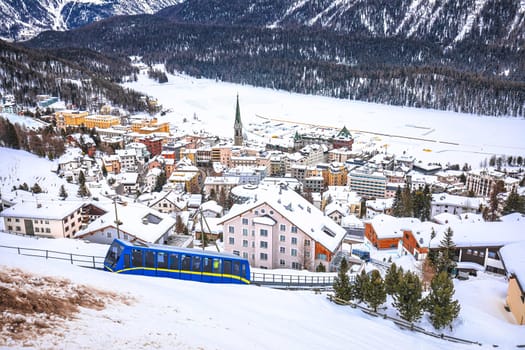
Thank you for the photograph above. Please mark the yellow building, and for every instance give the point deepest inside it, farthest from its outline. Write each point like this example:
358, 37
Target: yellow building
70, 118
149, 126
514, 263
101, 121
336, 174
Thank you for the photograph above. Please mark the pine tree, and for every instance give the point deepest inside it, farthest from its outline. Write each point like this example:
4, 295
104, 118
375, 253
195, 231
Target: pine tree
392, 278
213, 195
83, 191
407, 202
514, 203
497, 188
445, 259
62, 194
81, 178
342, 287
427, 204
160, 181
374, 292
179, 225
361, 283
439, 304
36, 188
397, 209
320, 268
407, 297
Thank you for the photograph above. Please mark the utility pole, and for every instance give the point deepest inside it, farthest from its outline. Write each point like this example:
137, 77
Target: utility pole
117, 221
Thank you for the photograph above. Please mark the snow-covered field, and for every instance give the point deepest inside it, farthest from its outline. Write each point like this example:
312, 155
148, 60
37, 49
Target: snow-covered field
173, 314
451, 137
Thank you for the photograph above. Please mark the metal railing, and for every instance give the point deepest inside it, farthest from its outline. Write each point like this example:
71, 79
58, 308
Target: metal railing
94, 262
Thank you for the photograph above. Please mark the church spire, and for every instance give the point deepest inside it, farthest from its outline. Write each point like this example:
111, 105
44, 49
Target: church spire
237, 126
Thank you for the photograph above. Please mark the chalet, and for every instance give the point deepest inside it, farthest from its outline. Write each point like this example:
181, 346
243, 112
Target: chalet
453, 204
280, 229
166, 202
514, 262
132, 222
385, 231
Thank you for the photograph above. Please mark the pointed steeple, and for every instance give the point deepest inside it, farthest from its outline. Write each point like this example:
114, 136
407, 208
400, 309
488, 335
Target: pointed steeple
238, 112
237, 126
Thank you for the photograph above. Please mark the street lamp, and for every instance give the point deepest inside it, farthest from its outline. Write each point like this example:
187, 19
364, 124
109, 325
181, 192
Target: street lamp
117, 221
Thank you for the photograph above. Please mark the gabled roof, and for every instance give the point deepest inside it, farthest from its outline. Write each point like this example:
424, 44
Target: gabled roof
514, 261
297, 210
138, 220
52, 210
387, 226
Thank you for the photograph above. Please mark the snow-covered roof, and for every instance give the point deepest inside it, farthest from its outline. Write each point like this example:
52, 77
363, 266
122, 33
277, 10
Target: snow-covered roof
211, 206
52, 210
335, 207
446, 218
387, 226
458, 201
514, 261
513, 217
138, 220
380, 204
298, 211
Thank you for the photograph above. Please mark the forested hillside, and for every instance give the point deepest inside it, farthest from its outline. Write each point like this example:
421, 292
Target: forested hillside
473, 77
80, 77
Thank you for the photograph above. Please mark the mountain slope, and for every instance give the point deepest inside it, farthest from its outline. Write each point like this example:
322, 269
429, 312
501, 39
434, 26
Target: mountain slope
24, 19
500, 22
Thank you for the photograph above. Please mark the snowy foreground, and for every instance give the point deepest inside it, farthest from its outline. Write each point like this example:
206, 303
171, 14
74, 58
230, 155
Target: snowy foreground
173, 314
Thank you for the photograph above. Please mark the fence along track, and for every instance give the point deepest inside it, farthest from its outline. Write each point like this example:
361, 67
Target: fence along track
261, 279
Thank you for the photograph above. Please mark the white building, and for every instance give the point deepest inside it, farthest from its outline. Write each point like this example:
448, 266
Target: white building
453, 204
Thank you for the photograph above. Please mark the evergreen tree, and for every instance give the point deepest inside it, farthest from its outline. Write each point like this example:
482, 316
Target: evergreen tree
62, 193
392, 278
397, 209
407, 297
361, 283
11, 137
497, 188
445, 259
81, 178
83, 191
427, 204
23, 187
213, 195
439, 304
514, 203
374, 292
223, 200
407, 202
320, 268
160, 181
342, 287
36, 188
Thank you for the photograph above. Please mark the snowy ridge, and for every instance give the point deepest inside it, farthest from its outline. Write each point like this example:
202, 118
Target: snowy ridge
23, 20
467, 27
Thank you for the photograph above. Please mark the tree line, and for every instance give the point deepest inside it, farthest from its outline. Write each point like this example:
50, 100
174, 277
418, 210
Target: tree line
385, 70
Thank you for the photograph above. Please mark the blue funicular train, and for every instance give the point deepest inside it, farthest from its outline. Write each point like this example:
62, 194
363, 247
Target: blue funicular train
181, 263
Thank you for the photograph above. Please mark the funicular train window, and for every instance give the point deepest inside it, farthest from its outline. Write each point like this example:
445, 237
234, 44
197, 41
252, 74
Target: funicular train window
186, 262
227, 267
150, 258
196, 263
236, 268
127, 264
136, 257
174, 261
162, 260
243, 270
217, 265
206, 265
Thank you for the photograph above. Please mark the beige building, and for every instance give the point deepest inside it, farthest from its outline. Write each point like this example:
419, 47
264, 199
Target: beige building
514, 262
57, 219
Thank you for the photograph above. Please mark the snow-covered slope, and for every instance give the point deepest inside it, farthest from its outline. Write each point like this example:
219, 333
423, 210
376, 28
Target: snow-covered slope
24, 19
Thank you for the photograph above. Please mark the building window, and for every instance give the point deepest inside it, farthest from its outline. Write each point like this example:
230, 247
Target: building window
126, 236
271, 212
282, 238
231, 241
294, 252
282, 227
282, 262
264, 244
307, 254
47, 222
36, 229
65, 228
10, 228
48, 230
245, 243
108, 234
307, 242
244, 221
294, 240
18, 228
263, 256
9, 220
264, 232
294, 229
231, 229
245, 255
296, 266
236, 252
263, 211
282, 250
321, 257
17, 220
245, 232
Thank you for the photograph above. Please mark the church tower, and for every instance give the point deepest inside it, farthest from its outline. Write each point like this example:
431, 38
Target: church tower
237, 127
